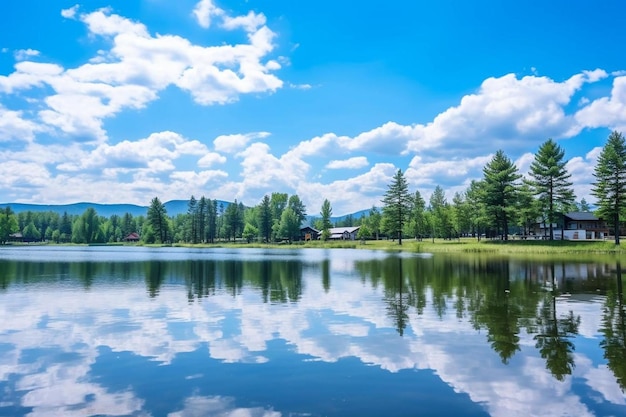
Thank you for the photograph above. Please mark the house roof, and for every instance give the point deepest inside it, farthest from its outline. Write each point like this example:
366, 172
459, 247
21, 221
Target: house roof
342, 230
307, 228
132, 236
580, 216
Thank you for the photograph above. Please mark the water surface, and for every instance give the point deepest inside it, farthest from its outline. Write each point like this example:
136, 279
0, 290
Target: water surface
193, 332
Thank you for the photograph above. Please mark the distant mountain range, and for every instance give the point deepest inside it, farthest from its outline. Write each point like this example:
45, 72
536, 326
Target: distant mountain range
174, 208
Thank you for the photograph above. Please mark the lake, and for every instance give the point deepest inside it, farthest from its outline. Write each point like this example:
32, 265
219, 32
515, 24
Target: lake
134, 331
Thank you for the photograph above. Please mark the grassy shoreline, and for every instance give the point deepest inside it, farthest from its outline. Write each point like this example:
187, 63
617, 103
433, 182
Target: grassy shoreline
466, 245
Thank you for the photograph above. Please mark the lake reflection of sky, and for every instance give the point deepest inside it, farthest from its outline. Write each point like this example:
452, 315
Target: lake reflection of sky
324, 346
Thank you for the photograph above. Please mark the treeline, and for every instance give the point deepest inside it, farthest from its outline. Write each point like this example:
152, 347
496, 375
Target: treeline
504, 202
500, 203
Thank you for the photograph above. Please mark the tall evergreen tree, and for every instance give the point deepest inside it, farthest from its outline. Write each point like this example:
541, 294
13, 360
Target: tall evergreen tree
584, 206
610, 185
460, 211
499, 190
192, 221
157, 219
418, 226
441, 213
211, 220
397, 204
201, 217
326, 213
477, 212
550, 181
265, 219
528, 209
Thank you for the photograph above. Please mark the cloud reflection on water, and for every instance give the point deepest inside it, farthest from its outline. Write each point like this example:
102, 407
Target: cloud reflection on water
349, 321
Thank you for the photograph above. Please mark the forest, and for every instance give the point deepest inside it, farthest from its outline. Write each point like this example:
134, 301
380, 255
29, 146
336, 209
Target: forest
501, 203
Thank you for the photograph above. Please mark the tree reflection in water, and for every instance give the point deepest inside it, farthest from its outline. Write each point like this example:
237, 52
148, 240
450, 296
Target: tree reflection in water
503, 297
614, 330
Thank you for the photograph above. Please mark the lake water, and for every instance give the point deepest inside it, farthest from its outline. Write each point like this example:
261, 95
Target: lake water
132, 331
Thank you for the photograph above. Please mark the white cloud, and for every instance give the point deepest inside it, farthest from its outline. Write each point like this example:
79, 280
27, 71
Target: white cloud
507, 111
70, 13
236, 142
206, 10
210, 159
349, 195
250, 22
154, 153
390, 138
523, 163
607, 111
138, 65
439, 172
14, 127
197, 179
351, 163
23, 54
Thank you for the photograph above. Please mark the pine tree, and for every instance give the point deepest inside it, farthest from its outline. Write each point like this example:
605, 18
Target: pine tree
397, 204
418, 216
610, 185
440, 210
157, 219
550, 181
265, 219
192, 212
499, 190
326, 213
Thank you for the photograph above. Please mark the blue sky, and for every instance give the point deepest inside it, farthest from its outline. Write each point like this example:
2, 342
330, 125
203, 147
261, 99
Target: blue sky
118, 102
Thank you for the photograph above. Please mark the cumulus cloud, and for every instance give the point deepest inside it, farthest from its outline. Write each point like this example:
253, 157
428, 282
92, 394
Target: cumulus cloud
351, 163
250, 22
70, 13
236, 142
205, 11
507, 110
138, 65
210, 159
14, 127
607, 111
437, 172
155, 153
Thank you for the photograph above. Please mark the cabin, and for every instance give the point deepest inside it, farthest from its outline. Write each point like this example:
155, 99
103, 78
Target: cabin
308, 233
344, 233
133, 238
583, 226
19, 238
577, 225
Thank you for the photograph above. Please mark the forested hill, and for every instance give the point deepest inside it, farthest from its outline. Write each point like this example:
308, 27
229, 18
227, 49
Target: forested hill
173, 208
